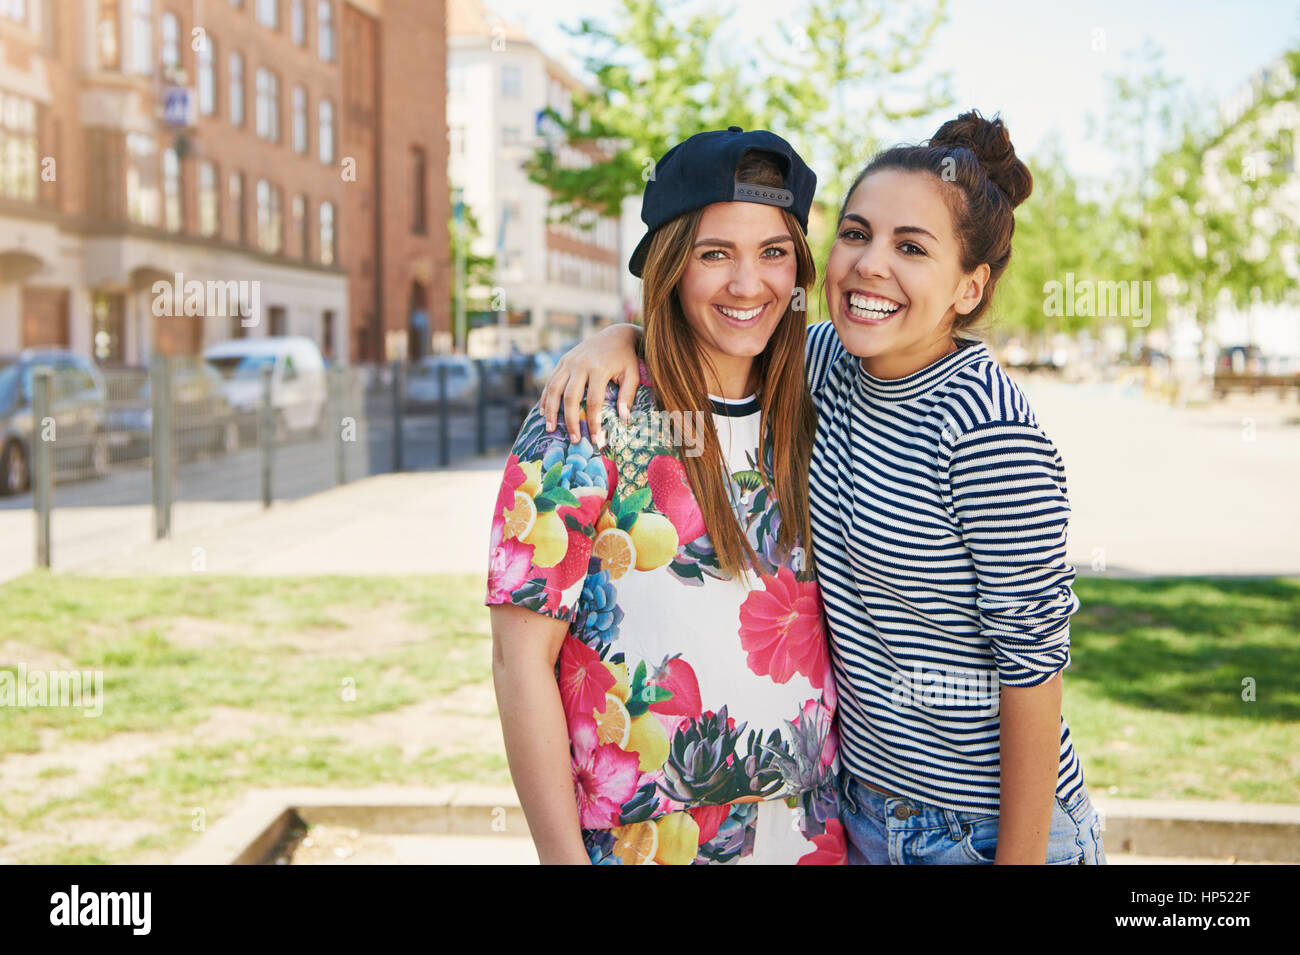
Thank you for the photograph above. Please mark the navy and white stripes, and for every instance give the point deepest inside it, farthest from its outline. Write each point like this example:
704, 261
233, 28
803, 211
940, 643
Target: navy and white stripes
939, 515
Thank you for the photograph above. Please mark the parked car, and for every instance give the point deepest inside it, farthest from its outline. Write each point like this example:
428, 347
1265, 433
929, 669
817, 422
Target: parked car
422, 381
202, 419
77, 397
298, 391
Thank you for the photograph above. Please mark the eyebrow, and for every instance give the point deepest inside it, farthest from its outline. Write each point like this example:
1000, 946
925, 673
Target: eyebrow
774, 240
900, 230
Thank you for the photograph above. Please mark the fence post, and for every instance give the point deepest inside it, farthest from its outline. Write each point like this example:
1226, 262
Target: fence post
480, 408
444, 437
42, 461
399, 400
160, 393
335, 421
266, 434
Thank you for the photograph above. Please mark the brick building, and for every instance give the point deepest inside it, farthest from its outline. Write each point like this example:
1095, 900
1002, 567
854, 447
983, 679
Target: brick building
142, 141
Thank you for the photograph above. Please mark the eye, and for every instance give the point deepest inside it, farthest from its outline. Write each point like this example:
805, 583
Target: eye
853, 234
911, 245
705, 256
780, 252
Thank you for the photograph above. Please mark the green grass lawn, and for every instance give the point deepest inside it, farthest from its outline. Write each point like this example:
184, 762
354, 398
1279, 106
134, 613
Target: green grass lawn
1153, 697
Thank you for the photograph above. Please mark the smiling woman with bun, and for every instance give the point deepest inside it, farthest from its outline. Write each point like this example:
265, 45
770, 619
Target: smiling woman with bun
939, 517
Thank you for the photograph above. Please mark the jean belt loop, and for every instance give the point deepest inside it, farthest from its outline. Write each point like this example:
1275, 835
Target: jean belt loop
847, 784
955, 829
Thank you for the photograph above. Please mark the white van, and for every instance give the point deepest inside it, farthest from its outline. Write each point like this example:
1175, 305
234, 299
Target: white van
298, 388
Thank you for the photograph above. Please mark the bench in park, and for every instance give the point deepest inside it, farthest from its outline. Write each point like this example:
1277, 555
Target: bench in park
1226, 382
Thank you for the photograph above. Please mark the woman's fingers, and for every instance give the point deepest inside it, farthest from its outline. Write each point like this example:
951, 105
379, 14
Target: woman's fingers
627, 391
573, 395
553, 393
596, 388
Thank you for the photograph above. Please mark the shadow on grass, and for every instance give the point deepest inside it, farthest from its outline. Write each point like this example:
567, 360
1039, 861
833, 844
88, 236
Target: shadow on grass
1190, 644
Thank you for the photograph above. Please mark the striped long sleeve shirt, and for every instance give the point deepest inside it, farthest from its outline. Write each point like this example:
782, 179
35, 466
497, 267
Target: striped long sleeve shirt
939, 515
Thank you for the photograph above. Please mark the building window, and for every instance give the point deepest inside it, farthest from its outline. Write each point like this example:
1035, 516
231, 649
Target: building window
142, 196
511, 82
173, 212
170, 54
106, 35
325, 30
18, 160
327, 132
207, 77
299, 120
142, 36
419, 191
297, 22
15, 10
298, 225
270, 226
268, 105
268, 13
327, 233
237, 215
209, 200
236, 89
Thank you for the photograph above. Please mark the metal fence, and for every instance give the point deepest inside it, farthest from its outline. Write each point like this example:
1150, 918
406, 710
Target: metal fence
184, 438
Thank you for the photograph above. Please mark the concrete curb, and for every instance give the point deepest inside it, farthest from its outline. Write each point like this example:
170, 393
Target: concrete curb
1154, 829
1248, 832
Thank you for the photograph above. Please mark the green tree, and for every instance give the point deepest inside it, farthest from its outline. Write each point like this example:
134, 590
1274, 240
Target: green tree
832, 87
479, 269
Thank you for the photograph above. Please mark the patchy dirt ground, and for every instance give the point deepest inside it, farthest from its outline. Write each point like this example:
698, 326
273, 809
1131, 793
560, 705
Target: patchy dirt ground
464, 721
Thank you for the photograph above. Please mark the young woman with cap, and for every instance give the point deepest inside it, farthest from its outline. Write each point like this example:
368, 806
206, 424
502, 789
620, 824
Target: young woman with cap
939, 516
659, 652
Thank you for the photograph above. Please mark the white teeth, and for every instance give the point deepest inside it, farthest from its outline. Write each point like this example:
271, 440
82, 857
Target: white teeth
873, 305
742, 316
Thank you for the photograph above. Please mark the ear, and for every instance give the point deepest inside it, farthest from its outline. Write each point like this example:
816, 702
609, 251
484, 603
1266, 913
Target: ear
971, 290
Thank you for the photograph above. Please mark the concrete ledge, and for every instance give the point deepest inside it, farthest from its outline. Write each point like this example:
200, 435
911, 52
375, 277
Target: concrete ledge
246, 835
1249, 832
1152, 829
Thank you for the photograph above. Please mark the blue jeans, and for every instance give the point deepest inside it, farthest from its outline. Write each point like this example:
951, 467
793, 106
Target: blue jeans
893, 830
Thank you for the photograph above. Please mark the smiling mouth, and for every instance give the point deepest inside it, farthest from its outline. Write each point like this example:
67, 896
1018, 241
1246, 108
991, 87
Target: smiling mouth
742, 315
869, 308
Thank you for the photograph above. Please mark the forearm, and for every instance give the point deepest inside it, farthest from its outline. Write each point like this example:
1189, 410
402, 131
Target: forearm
537, 749
1030, 758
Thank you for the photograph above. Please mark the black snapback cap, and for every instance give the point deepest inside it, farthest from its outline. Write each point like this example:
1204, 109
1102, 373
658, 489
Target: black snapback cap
701, 170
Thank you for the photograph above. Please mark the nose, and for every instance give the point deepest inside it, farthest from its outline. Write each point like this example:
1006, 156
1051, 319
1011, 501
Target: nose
873, 261
745, 281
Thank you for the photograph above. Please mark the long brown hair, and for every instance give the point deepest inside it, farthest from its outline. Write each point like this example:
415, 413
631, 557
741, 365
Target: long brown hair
787, 423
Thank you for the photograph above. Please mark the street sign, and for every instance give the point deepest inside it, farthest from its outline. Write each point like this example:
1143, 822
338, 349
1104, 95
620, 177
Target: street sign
178, 106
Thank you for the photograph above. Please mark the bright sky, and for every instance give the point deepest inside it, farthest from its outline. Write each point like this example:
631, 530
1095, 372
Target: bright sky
1029, 60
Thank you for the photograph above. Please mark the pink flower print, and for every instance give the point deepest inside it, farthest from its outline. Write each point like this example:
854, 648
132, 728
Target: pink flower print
584, 680
604, 776
509, 565
831, 848
781, 629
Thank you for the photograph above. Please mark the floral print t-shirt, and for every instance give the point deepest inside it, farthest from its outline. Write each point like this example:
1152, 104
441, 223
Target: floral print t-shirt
700, 710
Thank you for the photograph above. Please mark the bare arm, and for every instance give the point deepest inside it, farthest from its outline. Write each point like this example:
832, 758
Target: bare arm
1030, 758
588, 368
524, 649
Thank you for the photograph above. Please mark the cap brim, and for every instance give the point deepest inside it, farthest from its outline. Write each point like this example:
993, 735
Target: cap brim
637, 262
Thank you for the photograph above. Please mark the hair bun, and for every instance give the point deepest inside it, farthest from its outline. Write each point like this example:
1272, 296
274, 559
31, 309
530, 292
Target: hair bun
991, 144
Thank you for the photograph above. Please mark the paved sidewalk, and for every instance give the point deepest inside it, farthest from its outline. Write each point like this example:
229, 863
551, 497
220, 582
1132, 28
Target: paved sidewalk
426, 522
